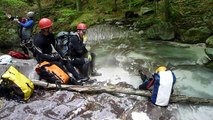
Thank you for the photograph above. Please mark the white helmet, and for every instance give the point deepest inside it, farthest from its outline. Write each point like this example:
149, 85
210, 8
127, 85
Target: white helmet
30, 14
5, 59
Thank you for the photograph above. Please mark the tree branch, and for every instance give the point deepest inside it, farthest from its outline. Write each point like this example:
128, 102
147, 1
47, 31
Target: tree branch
129, 91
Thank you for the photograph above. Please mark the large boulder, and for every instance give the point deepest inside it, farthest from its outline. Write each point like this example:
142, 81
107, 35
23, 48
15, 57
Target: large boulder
196, 35
26, 67
8, 38
209, 42
163, 31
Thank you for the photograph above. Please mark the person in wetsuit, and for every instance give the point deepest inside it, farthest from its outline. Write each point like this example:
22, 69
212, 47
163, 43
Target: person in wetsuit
163, 81
80, 54
26, 29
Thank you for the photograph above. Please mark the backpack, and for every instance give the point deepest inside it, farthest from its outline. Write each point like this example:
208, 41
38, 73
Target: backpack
51, 73
63, 43
19, 55
15, 85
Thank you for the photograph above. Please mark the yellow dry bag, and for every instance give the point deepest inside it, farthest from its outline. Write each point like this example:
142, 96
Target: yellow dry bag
16, 85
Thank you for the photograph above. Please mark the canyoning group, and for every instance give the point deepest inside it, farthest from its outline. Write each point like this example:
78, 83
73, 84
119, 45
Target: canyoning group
65, 59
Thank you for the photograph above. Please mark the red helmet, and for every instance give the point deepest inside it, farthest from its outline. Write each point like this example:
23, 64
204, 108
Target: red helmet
81, 26
45, 23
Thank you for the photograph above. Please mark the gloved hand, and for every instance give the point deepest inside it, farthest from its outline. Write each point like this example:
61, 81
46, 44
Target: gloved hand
16, 20
89, 56
85, 39
56, 56
8, 15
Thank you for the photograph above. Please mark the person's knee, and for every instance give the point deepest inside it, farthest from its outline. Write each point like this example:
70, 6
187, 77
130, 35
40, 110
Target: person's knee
86, 61
144, 85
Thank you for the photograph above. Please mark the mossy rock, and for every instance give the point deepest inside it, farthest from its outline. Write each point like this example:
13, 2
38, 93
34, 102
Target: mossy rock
209, 52
8, 38
196, 35
162, 30
209, 64
209, 42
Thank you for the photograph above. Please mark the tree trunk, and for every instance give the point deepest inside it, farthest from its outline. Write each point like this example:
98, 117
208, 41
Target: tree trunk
115, 5
167, 10
129, 91
130, 4
39, 7
78, 5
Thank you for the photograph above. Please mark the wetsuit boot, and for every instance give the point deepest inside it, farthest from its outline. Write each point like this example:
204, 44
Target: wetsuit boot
92, 66
75, 74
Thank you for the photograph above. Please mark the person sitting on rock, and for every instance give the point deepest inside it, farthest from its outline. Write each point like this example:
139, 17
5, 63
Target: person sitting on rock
163, 81
44, 43
79, 52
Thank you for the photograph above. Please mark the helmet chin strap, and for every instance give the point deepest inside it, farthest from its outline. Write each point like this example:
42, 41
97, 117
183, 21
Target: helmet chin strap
46, 31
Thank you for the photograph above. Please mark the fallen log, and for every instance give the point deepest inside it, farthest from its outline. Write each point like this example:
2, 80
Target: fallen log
129, 91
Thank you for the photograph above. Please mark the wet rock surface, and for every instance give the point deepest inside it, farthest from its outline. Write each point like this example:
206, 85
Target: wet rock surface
70, 105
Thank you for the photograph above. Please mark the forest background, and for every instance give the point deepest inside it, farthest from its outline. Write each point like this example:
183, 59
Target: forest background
187, 21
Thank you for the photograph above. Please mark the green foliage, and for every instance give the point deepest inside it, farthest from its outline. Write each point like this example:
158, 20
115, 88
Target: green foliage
68, 12
175, 14
108, 10
149, 21
13, 7
2, 16
105, 7
133, 4
87, 18
65, 15
13, 3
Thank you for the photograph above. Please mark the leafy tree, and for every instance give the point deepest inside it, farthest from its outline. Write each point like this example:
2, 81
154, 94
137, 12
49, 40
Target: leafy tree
12, 6
38, 3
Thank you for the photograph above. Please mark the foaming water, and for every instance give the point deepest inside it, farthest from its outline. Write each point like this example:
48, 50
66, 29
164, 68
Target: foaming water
193, 79
105, 32
140, 116
115, 75
191, 112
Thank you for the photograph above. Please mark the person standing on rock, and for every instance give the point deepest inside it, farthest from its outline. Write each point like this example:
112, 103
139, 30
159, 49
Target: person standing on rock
25, 29
163, 82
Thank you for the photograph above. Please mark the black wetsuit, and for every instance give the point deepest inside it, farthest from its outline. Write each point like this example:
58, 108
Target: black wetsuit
79, 52
78, 48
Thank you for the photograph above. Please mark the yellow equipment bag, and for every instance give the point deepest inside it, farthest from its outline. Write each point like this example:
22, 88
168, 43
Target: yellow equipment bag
15, 85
